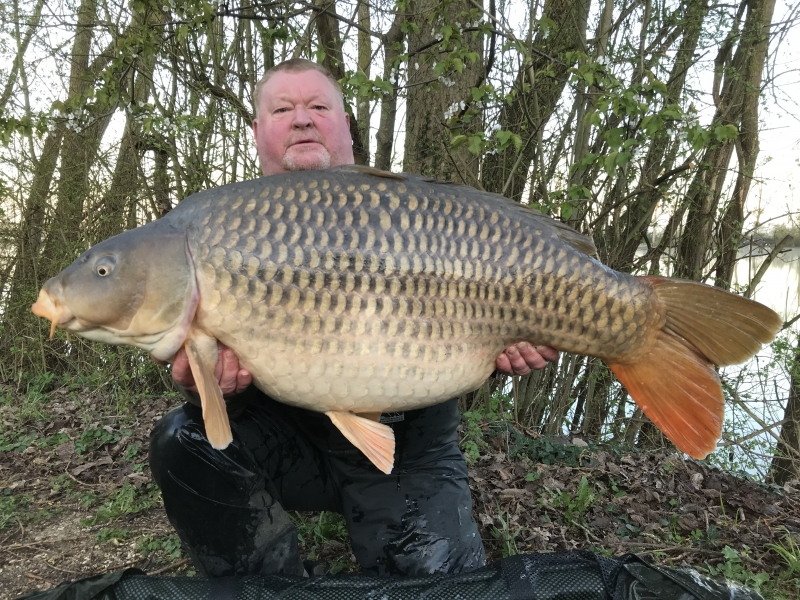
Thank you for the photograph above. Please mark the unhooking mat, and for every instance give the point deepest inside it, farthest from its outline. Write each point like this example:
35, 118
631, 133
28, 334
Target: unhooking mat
574, 575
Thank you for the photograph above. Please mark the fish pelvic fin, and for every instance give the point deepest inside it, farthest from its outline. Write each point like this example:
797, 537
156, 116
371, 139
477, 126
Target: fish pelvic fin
725, 328
674, 382
374, 439
679, 391
202, 353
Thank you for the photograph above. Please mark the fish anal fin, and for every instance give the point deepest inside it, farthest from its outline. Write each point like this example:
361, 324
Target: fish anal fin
678, 389
374, 439
202, 353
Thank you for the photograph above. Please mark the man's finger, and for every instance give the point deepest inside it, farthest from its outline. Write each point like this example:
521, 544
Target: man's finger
181, 371
228, 379
548, 353
243, 380
531, 356
521, 363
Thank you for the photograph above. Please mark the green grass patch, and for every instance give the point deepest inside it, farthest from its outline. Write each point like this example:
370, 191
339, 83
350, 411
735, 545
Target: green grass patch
11, 507
126, 500
93, 438
112, 534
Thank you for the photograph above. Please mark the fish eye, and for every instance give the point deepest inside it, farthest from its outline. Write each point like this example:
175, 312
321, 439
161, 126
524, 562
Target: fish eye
104, 266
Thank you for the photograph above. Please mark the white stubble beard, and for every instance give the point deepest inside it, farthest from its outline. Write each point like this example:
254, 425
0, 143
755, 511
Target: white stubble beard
307, 161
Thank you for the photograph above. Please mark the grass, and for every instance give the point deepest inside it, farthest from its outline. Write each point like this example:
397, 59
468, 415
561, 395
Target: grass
128, 499
324, 536
506, 534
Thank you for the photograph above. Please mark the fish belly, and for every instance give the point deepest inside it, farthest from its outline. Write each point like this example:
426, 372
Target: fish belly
363, 294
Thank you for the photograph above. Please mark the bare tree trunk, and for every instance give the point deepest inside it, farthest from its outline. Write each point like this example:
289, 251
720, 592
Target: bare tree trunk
331, 42
392, 49
364, 63
427, 146
661, 154
539, 85
22, 46
734, 104
786, 463
79, 151
126, 180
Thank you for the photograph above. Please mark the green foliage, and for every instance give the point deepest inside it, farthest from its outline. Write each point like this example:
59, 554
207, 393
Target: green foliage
10, 506
320, 528
320, 531
127, 500
169, 546
111, 534
789, 553
733, 568
472, 441
506, 534
93, 438
16, 440
574, 507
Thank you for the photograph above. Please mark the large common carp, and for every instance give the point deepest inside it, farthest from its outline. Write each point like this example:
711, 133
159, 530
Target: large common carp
354, 292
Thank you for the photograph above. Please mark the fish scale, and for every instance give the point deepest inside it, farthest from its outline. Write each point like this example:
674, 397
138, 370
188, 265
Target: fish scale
354, 292
342, 277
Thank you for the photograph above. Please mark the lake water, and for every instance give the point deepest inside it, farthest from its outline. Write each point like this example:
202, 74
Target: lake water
762, 384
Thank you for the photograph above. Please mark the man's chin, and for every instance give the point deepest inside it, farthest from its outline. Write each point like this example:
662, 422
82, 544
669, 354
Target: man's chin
306, 161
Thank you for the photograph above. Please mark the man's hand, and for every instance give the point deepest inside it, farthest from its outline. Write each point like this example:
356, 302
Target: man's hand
522, 358
232, 380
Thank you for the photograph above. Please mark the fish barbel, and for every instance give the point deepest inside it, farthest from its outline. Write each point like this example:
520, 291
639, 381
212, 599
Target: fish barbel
354, 292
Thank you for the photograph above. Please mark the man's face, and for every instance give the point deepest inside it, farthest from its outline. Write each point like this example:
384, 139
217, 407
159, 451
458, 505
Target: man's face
301, 124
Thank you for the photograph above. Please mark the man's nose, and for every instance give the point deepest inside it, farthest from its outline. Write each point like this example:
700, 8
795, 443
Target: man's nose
302, 117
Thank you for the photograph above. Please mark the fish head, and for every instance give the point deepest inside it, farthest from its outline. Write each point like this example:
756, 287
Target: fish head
136, 288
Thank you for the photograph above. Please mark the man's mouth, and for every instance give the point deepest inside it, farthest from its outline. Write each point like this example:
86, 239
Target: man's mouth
304, 142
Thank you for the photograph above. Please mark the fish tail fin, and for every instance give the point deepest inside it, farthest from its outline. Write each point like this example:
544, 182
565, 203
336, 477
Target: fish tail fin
675, 383
373, 438
202, 353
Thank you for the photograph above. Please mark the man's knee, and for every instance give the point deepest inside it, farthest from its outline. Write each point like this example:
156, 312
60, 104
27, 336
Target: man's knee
167, 453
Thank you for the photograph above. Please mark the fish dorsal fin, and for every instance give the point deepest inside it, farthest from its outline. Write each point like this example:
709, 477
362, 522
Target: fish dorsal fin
374, 439
564, 232
365, 170
577, 240
202, 352
568, 235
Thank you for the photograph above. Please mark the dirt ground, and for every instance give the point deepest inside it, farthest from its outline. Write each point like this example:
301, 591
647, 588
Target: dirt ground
76, 499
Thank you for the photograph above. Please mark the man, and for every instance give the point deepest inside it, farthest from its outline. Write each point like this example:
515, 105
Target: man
228, 506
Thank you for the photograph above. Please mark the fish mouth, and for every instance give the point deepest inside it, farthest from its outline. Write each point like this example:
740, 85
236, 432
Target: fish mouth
50, 308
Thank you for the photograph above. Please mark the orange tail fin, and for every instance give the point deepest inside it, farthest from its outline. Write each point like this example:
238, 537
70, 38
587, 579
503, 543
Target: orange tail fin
675, 383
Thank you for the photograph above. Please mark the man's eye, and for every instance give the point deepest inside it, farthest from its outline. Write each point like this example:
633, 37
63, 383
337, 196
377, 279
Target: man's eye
319, 107
281, 110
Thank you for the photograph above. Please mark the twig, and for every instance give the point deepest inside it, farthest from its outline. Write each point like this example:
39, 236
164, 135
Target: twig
765, 265
39, 543
68, 571
38, 578
176, 565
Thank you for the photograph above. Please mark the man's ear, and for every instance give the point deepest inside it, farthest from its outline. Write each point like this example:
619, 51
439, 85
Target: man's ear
255, 129
347, 118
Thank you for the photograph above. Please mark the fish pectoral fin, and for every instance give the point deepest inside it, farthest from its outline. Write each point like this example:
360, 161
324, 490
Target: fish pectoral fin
679, 390
202, 359
375, 440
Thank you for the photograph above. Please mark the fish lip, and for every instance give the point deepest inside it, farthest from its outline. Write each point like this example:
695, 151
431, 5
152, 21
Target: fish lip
50, 308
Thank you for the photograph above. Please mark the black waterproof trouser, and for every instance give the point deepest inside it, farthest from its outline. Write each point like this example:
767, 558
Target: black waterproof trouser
228, 506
